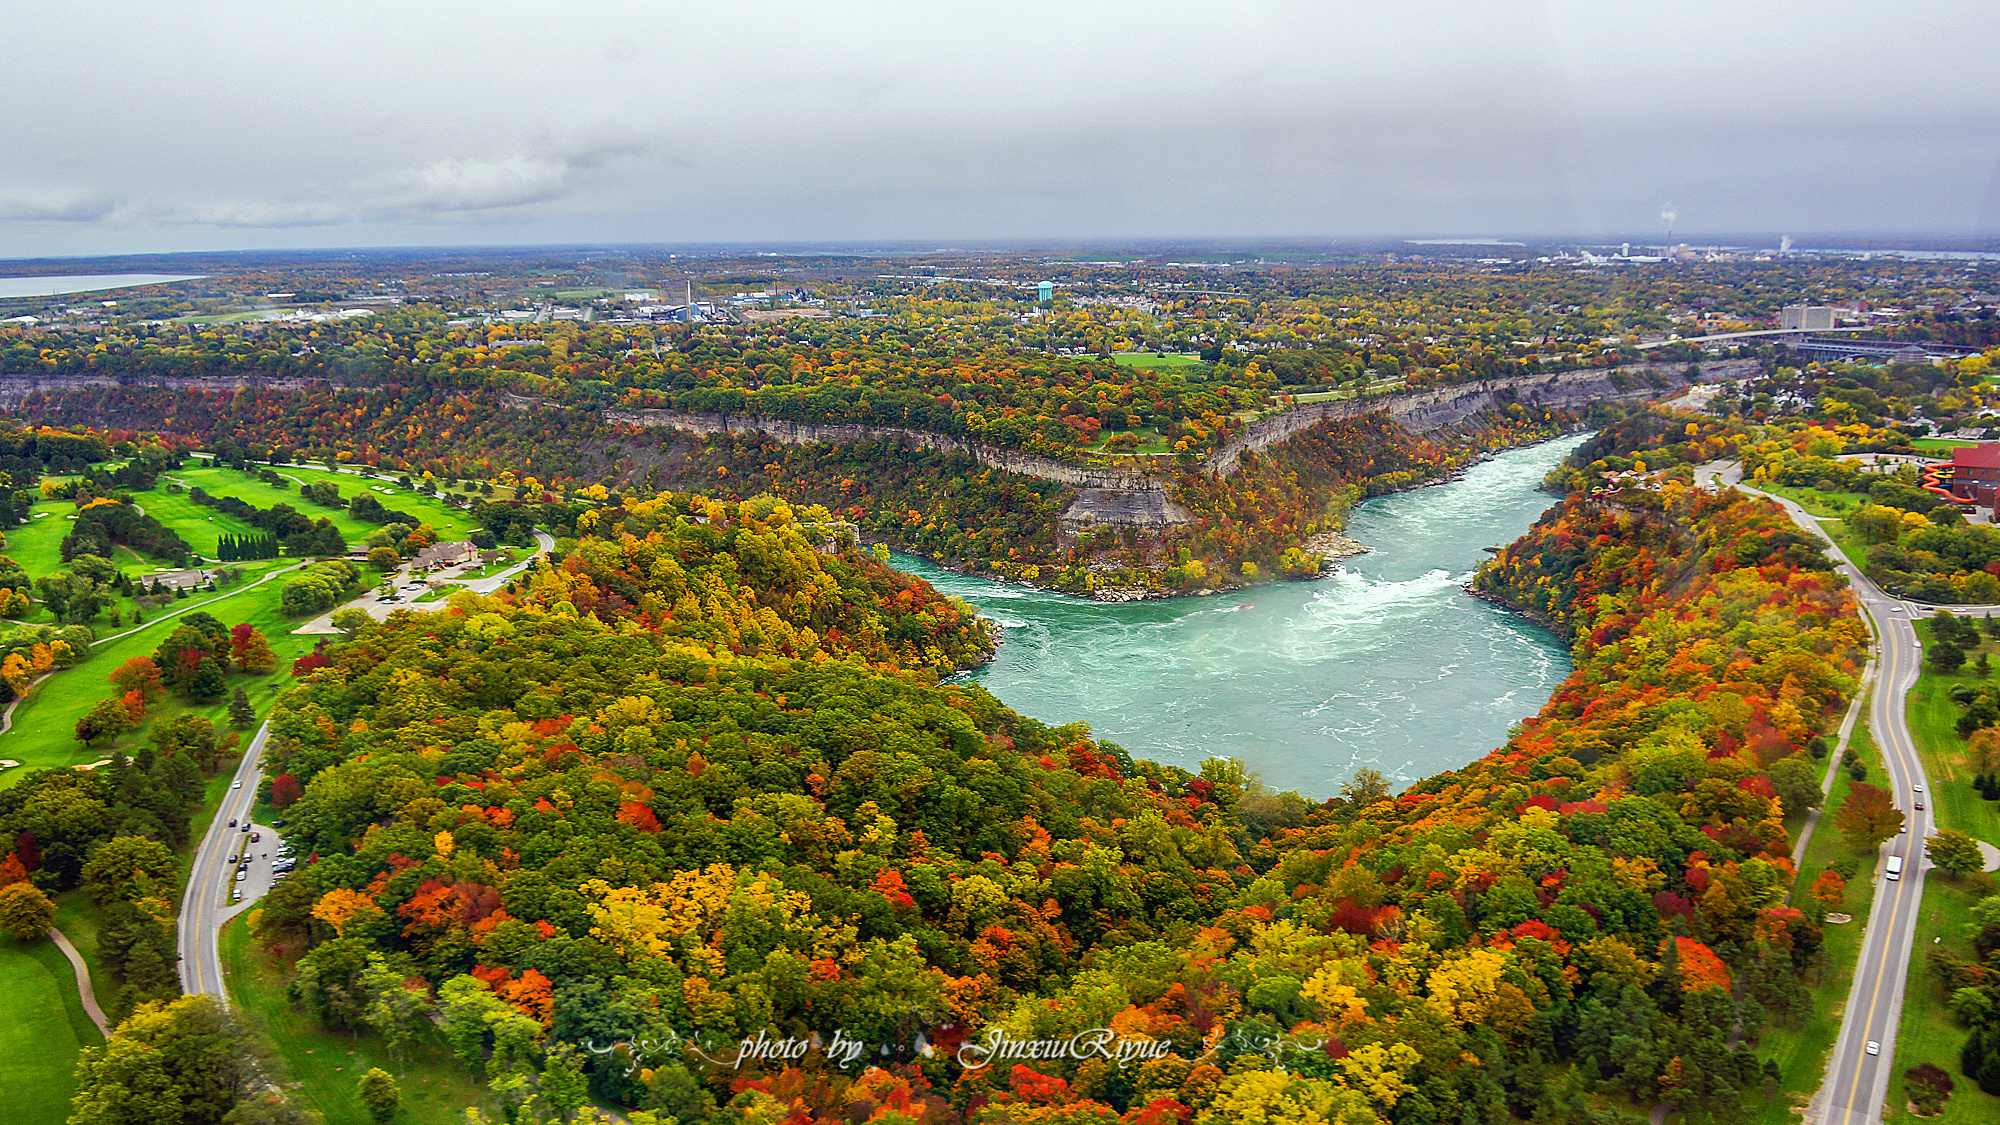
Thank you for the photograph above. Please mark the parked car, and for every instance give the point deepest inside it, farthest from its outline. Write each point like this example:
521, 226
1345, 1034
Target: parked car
256, 836
241, 875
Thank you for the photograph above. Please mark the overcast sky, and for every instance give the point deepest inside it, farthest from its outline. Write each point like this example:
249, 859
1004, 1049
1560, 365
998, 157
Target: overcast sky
177, 126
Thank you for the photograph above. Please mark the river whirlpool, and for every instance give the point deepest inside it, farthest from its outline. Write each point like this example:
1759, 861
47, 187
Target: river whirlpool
1386, 664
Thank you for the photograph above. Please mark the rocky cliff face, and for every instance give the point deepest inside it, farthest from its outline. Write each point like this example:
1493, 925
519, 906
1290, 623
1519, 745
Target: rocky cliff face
807, 433
1105, 496
16, 389
1420, 412
1122, 507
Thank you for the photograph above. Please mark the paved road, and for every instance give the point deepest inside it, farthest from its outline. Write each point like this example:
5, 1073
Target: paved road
1857, 1082
206, 906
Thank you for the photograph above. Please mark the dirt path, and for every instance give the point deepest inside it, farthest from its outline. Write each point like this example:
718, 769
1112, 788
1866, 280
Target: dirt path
83, 988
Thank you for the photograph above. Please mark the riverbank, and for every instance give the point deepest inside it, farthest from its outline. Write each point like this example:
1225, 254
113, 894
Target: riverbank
1380, 664
1528, 613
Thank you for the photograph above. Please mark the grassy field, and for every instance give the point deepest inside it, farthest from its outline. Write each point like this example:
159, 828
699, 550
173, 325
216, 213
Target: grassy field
1927, 1032
1158, 359
44, 1029
451, 523
1828, 504
1813, 500
436, 1090
1940, 445
1933, 719
44, 727
45, 721
1801, 1052
508, 557
1150, 441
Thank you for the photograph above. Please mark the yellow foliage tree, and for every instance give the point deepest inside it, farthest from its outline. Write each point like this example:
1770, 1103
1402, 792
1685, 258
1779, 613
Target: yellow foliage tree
1462, 989
1376, 1071
338, 907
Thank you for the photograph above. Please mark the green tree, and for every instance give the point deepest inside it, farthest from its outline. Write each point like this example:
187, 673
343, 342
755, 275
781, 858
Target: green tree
392, 1008
180, 1062
1796, 784
1946, 657
380, 1094
191, 735
466, 1003
330, 981
384, 558
241, 714
126, 867
25, 912
206, 685
1368, 787
1954, 852
562, 1084
107, 718
351, 620
1972, 1007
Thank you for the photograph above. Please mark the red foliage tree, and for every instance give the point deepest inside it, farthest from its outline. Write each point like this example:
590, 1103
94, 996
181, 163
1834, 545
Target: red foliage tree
285, 789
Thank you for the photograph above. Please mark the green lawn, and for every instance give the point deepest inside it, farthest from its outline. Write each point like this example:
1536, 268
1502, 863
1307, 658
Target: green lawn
451, 523
1158, 359
1150, 441
509, 558
79, 919
1941, 445
44, 727
1927, 1032
1801, 1052
1933, 718
1827, 504
44, 1029
1813, 500
326, 1064
37, 544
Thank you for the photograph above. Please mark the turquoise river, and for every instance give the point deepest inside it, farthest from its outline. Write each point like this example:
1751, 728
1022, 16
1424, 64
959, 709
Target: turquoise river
1387, 663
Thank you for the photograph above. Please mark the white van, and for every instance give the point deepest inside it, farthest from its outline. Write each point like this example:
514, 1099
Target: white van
1895, 868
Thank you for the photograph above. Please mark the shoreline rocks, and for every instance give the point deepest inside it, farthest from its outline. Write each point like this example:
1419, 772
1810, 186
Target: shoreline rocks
1332, 546
1118, 595
1535, 617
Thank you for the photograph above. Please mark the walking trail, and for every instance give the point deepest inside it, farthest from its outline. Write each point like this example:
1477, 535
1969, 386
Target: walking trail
83, 988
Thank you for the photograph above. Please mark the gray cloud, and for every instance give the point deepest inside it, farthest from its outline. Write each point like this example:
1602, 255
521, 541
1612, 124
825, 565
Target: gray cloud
459, 121
54, 207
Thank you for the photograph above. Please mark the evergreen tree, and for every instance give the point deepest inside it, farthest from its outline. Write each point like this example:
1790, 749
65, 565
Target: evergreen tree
241, 714
380, 1094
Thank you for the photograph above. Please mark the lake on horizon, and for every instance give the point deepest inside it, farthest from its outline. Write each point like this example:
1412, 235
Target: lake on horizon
57, 285
1386, 664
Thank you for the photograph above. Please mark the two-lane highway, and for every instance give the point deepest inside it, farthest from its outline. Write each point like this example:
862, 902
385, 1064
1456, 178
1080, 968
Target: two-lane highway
1857, 1080
205, 905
